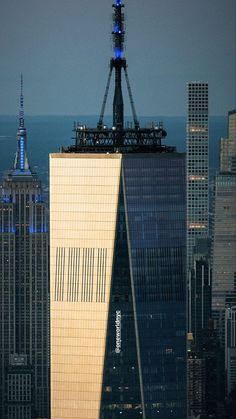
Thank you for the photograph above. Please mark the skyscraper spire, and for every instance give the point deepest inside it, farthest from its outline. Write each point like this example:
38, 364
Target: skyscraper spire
118, 137
118, 62
21, 110
21, 160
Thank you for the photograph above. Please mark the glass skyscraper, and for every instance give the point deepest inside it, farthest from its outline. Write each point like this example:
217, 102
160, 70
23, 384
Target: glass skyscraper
118, 268
24, 343
118, 311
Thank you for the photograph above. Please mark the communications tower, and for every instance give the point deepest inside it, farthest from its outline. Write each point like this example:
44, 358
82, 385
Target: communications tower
118, 137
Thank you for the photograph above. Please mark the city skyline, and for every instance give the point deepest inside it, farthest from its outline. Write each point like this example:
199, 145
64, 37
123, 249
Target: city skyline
121, 202
56, 48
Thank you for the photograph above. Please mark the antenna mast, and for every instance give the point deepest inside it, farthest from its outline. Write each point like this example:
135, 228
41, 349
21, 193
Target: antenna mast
21, 160
118, 139
117, 63
21, 109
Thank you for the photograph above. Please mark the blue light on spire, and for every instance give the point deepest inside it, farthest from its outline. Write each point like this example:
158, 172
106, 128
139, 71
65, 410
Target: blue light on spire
22, 153
117, 29
118, 52
118, 2
21, 161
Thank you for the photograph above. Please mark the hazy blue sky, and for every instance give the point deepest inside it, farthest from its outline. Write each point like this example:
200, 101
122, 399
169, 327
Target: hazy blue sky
63, 47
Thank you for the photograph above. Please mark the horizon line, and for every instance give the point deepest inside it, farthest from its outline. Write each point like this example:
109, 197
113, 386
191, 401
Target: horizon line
106, 116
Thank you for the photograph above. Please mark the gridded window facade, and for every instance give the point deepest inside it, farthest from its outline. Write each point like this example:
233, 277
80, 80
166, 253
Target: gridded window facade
224, 250
19, 387
197, 165
19, 412
228, 146
24, 289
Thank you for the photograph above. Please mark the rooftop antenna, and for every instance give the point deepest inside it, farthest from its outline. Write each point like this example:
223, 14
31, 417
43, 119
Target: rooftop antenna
21, 160
21, 109
132, 139
117, 63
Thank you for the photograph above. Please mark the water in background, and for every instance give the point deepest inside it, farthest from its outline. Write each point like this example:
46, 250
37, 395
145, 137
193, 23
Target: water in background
46, 134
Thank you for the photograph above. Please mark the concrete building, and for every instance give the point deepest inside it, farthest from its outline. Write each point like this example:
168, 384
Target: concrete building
197, 166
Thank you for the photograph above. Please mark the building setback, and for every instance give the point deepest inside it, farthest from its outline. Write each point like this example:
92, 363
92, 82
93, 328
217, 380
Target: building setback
118, 268
24, 343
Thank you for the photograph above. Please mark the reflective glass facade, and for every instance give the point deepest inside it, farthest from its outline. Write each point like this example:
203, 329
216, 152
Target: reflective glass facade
121, 384
118, 286
155, 205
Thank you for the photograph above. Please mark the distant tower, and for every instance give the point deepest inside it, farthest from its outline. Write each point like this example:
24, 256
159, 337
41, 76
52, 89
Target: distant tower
228, 146
230, 347
197, 166
118, 268
24, 343
224, 235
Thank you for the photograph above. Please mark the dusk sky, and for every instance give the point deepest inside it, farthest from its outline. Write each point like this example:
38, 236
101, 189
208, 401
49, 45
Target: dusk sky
63, 48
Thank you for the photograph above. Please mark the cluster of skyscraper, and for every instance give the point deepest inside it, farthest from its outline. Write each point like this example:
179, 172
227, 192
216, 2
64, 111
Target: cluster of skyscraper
211, 262
129, 245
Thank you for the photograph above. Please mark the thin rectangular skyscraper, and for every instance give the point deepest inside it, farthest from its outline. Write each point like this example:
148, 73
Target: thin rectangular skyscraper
197, 166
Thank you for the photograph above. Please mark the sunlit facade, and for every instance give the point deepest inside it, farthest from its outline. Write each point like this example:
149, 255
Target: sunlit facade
118, 285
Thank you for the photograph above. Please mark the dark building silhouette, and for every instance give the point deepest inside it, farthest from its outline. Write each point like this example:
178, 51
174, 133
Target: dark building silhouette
196, 384
118, 268
200, 290
24, 343
205, 374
